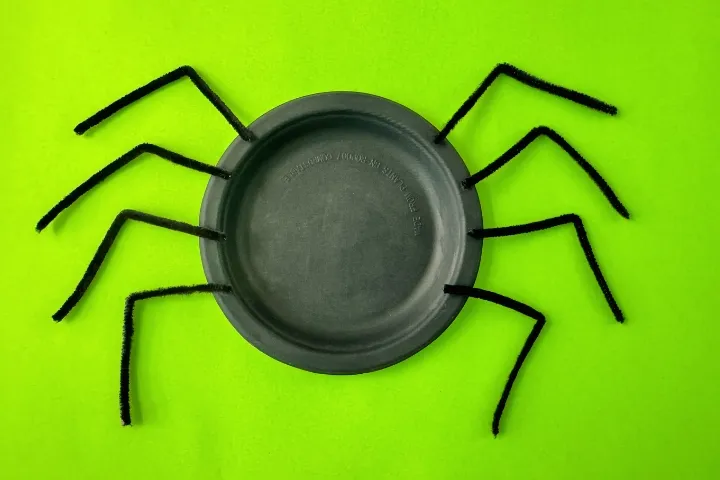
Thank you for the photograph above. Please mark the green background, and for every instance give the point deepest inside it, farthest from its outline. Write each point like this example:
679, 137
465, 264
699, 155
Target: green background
595, 400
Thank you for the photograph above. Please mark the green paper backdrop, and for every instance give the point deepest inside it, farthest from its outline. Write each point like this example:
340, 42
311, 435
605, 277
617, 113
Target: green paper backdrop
596, 400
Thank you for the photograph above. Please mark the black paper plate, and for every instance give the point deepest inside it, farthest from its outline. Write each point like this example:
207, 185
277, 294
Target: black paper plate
344, 220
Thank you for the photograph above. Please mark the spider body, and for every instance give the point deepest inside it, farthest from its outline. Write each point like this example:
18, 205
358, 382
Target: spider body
336, 250
340, 233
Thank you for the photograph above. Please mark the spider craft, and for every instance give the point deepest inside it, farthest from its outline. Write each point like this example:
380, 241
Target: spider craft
340, 232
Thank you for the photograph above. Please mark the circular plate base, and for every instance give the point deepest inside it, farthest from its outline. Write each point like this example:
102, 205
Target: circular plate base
343, 221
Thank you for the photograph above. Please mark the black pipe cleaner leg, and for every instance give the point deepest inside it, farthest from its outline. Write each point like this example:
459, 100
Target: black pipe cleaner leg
529, 80
568, 219
108, 240
129, 329
562, 143
177, 74
520, 308
116, 165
